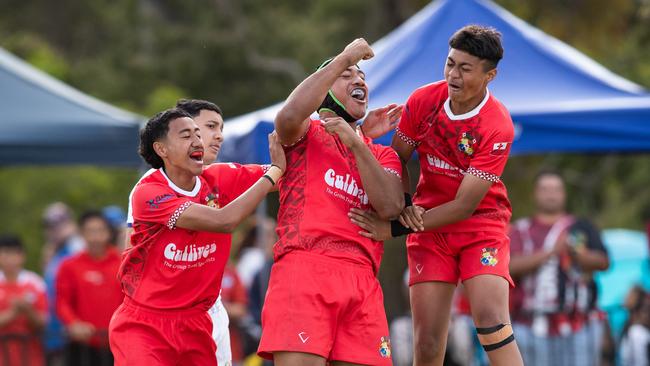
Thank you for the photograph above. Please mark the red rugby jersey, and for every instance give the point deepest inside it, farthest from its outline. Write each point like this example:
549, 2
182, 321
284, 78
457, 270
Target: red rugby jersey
174, 268
450, 146
87, 290
318, 190
31, 287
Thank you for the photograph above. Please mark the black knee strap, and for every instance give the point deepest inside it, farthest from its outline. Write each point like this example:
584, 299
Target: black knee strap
493, 338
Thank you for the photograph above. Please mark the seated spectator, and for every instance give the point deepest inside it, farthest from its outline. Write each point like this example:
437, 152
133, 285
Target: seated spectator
88, 293
23, 308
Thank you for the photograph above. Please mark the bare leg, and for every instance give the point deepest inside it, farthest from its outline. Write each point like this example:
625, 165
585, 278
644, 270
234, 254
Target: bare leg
297, 359
488, 298
431, 307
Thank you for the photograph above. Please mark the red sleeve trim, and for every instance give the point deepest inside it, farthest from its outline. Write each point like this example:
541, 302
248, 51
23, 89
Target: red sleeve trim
171, 224
393, 171
483, 175
406, 139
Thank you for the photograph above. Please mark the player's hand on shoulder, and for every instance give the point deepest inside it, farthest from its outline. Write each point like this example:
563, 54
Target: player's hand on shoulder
373, 227
356, 51
382, 120
411, 217
338, 126
277, 152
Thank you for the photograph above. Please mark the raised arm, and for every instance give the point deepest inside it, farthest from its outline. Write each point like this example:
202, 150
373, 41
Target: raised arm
292, 120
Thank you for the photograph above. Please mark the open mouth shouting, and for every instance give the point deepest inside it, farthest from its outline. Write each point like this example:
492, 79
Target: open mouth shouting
454, 87
359, 94
197, 156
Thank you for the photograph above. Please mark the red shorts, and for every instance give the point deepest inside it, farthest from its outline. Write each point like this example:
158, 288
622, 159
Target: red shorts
143, 336
327, 307
448, 257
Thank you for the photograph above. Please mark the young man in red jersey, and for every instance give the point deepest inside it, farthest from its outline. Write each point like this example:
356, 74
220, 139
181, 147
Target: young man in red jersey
324, 302
182, 214
209, 117
460, 210
87, 293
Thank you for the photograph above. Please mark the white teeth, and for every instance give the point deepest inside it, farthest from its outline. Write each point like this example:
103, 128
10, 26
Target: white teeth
358, 93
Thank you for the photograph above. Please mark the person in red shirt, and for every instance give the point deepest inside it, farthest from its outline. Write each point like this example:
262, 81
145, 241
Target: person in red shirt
324, 302
88, 293
23, 307
235, 300
171, 275
460, 210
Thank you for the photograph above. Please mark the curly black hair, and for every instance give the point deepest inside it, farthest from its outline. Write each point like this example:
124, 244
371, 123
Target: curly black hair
155, 129
482, 42
195, 106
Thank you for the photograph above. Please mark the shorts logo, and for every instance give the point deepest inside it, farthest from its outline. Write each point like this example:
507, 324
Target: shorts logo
303, 337
211, 200
466, 142
384, 347
419, 268
489, 257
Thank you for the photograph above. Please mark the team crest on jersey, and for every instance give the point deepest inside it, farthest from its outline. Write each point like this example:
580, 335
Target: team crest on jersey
489, 257
384, 347
466, 143
211, 200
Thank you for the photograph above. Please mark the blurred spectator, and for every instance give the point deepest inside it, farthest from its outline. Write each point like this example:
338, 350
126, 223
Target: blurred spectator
23, 308
635, 343
233, 295
257, 290
117, 218
250, 254
401, 332
463, 347
61, 241
88, 293
553, 258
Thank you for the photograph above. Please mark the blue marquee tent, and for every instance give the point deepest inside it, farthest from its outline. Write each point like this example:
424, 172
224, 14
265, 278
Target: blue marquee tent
44, 121
560, 100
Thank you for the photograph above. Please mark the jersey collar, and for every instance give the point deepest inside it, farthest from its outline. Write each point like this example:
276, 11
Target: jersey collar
470, 114
177, 189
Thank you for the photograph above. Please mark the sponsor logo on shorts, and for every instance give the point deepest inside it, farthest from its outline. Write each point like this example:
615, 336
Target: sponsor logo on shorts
489, 257
384, 347
303, 337
419, 268
345, 184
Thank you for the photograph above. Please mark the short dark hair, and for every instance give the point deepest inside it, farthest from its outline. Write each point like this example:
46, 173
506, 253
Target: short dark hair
96, 214
155, 129
547, 172
195, 106
10, 241
482, 42
93, 214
